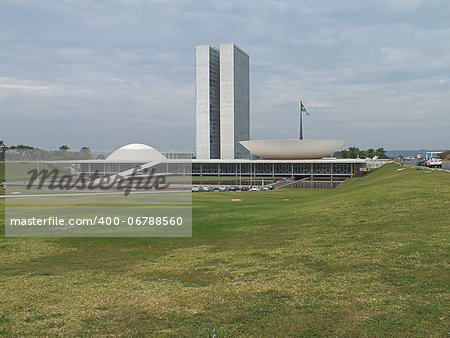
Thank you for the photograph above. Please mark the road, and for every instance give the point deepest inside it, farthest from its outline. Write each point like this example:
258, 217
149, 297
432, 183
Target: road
94, 193
445, 165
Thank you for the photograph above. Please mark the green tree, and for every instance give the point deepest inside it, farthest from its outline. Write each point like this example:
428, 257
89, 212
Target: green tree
2, 150
353, 152
64, 147
86, 153
343, 154
444, 154
21, 152
21, 147
380, 153
363, 154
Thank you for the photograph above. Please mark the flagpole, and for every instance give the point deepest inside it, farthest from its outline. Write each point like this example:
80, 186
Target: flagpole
301, 121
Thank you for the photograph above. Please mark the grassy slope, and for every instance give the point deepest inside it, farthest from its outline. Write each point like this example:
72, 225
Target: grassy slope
367, 259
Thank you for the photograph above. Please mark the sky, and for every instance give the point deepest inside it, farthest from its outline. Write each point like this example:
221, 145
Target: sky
106, 73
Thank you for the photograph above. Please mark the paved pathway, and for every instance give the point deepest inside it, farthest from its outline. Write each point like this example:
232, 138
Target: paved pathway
94, 193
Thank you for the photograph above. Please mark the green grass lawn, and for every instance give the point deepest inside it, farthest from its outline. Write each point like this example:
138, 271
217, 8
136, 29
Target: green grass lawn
368, 259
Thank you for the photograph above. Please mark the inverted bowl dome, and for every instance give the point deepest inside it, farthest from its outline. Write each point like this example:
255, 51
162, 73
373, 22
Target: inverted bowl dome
293, 149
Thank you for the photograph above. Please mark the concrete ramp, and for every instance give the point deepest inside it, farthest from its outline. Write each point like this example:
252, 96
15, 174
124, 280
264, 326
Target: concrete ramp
127, 173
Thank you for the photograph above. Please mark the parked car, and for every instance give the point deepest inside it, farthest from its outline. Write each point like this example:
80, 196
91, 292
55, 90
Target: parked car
223, 188
196, 188
244, 188
270, 187
255, 189
421, 162
207, 188
434, 162
234, 188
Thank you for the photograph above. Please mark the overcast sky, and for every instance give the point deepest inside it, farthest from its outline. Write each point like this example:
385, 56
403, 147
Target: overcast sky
108, 73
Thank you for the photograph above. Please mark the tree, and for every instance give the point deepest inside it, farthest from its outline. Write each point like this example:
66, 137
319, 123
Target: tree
21, 152
445, 155
64, 147
22, 147
363, 154
370, 152
86, 153
353, 152
343, 154
380, 153
2, 150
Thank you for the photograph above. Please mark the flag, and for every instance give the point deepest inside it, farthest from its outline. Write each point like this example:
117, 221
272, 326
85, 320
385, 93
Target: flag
302, 108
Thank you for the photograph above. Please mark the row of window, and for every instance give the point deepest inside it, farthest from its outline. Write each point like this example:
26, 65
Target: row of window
230, 168
269, 168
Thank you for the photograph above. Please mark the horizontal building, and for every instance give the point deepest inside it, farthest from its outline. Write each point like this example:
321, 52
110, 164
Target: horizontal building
273, 168
147, 158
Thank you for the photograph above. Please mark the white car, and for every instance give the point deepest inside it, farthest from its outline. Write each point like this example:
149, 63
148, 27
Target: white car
434, 162
255, 189
196, 188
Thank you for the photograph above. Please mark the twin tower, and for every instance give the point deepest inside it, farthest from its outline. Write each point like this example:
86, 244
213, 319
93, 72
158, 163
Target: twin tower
222, 101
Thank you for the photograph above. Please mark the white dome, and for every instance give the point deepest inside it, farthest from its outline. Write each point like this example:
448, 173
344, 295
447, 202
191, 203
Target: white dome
293, 149
135, 153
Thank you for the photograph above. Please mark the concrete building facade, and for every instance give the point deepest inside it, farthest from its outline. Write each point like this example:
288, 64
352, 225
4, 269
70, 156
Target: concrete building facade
207, 102
222, 102
234, 101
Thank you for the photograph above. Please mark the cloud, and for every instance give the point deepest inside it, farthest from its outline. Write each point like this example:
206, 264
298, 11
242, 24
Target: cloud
105, 73
22, 87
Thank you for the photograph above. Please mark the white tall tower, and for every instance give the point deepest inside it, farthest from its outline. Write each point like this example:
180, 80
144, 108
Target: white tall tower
222, 102
207, 102
234, 101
